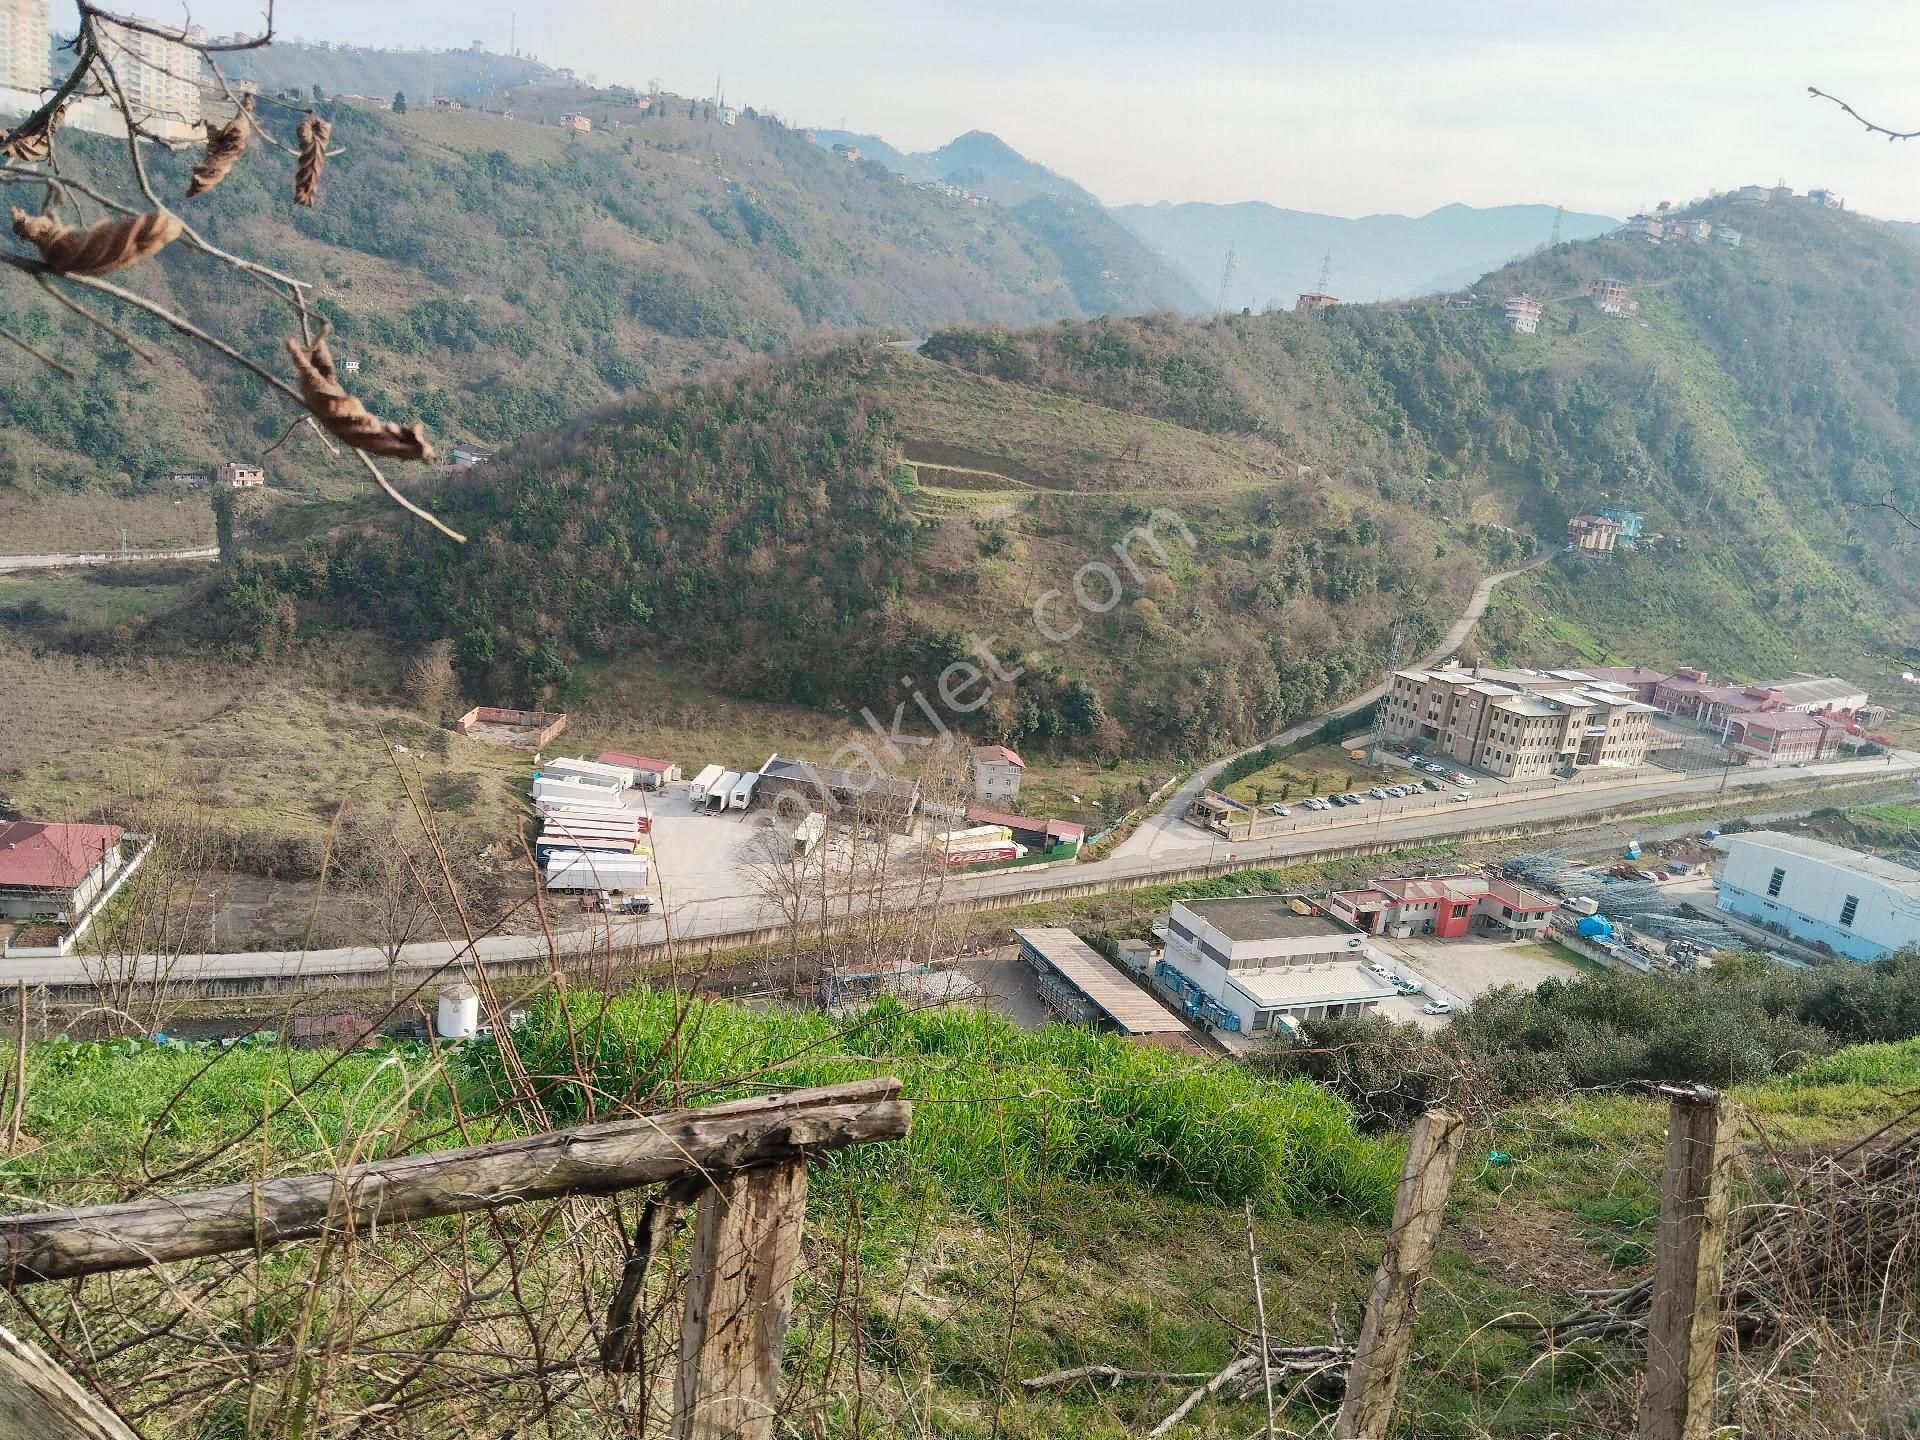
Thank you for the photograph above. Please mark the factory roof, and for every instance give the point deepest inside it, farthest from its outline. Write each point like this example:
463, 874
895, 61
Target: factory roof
1295, 985
1895, 876
1115, 996
1261, 917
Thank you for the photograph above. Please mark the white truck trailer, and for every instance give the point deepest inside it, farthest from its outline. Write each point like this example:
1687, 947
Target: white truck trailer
703, 783
620, 775
578, 870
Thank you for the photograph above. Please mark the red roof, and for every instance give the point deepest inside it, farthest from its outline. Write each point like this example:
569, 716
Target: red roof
47, 855
1066, 830
998, 752
634, 762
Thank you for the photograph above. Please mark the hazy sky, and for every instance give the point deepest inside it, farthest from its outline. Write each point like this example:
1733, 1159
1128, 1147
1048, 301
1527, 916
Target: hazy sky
1349, 107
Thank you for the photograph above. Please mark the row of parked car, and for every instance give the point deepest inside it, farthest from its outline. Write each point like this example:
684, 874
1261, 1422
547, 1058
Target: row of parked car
1410, 987
1378, 792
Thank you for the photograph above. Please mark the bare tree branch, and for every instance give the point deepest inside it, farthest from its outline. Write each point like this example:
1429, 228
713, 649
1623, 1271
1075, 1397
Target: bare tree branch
1871, 127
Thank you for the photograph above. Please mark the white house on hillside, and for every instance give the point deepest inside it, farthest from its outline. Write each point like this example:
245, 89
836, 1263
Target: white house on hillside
996, 773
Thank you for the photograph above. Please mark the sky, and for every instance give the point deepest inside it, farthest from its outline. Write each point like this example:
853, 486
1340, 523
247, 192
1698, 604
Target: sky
1349, 109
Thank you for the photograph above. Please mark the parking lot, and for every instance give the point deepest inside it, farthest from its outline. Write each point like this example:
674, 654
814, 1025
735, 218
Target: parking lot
1461, 971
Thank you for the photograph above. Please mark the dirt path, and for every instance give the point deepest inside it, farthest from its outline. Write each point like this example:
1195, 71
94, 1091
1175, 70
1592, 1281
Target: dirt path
63, 560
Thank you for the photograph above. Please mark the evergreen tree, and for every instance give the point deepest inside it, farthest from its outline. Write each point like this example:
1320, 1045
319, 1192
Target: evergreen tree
399, 102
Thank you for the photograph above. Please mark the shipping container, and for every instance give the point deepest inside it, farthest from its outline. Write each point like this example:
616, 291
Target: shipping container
601, 801
722, 788
960, 839
588, 770
703, 783
576, 871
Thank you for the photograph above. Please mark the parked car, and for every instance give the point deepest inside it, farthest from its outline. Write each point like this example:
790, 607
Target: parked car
1432, 768
1378, 792
1404, 985
1429, 783
1278, 809
1353, 799
1461, 795
1437, 1007
1337, 800
1314, 802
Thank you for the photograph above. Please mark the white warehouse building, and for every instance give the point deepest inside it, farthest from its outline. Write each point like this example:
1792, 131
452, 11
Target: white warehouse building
1855, 905
1256, 963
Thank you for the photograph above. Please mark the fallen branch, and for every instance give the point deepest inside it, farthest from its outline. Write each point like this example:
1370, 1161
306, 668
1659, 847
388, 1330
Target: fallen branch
1113, 1375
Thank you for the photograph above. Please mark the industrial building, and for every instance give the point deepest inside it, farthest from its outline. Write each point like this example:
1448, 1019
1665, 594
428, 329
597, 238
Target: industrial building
1256, 964
787, 784
1836, 899
1078, 984
1519, 724
1447, 906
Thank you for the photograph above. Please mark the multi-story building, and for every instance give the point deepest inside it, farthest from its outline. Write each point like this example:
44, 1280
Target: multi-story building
1609, 294
1783, 737
1826, 199
1726, 235
25, 45
1519, 724
1691, 694
1696, 230
235, 475
997, 772
1752, 195
1629, 521
1646, 227
1523, 314
1443, 905
1261, 963
159, 76
1855, 905
1593, 534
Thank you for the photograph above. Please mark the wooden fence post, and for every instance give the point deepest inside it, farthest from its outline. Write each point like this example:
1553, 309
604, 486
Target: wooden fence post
1683, 1327
739, 1294
1386, 1334
38, 1398
19, 1072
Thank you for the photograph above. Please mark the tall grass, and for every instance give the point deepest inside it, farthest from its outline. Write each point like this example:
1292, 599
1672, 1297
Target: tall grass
997, 1108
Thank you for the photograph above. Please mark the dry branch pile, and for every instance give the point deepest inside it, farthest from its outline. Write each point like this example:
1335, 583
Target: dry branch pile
1841, 1240
1319, 1371
97, 249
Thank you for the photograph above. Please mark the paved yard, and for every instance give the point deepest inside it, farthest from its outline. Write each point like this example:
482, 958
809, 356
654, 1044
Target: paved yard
1460, 971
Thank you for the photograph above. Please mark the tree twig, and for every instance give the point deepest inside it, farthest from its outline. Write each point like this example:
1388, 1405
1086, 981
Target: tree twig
1260, 1310
1870, 126
37, 353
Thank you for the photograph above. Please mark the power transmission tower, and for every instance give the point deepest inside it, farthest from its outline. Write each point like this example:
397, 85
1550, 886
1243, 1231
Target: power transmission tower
1554, 239
1226, 277
1393, 665
1326, 274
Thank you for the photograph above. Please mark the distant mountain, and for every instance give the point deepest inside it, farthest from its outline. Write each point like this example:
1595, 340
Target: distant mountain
363, 70
1109, 270
976, 161
1375, 257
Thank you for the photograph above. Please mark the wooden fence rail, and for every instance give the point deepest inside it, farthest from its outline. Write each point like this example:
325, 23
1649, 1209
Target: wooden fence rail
742, 1162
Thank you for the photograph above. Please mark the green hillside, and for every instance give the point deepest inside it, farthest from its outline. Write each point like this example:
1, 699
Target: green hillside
494, 276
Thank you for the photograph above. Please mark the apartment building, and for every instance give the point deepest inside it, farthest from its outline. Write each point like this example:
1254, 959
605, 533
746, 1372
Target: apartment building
1523, 314
25, 46
161, 77
1519, 724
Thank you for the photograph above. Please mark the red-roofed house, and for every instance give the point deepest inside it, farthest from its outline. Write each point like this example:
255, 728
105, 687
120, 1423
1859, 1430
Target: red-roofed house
1443, 905
996, 773
648, 773
48, 868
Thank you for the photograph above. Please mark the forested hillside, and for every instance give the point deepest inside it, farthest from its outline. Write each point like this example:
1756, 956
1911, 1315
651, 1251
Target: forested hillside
822, 527
493, 276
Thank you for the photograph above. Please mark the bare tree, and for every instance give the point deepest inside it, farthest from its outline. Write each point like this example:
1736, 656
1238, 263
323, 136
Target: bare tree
76, 251
430, 680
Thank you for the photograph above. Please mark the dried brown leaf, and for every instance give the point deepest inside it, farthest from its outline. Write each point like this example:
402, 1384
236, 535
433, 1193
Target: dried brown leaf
30, 146
344, 417
97, 249
225, 144
313, 133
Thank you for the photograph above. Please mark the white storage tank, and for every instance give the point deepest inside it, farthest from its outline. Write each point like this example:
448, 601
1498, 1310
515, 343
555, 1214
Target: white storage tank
459, 1017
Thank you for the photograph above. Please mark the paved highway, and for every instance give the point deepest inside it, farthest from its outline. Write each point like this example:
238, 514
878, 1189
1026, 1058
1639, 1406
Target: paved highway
1402, 822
